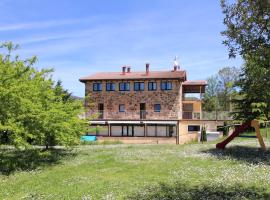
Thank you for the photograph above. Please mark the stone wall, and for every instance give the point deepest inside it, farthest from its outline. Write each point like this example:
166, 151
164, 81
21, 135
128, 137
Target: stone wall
170, 101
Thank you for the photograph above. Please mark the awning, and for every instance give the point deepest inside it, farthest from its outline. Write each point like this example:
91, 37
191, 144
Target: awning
133, 122
124, 122
160, 122
97, 122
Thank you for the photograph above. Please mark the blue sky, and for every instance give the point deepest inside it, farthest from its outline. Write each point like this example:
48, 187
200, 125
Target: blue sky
81, 37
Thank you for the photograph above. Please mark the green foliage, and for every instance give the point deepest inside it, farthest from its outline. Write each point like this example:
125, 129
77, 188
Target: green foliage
33, 110
220, 90
253, 99
210, 101
226, 129
248, 34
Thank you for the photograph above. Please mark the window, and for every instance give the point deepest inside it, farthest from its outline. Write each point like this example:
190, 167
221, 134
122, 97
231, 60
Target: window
138, 86
193, 128
110, 86
121, 108
157, 107
97, 87
124, 87
152, 86
166, 85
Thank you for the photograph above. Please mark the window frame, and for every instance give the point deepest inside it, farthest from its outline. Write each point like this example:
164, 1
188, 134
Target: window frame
194, 126
152, 83
97, 84
120, 105
167, 83
125, 86
157, 110
140, 86
111, 86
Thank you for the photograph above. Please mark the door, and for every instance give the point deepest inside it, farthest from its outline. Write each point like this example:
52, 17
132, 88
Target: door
142, 111
101, 110
187, 110
127, 130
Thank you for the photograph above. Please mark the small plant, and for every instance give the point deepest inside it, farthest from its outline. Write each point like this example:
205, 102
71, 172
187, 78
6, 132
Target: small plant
226, 129
203, 134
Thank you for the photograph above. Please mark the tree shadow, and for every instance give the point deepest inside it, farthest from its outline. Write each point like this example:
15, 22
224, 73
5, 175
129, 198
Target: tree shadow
250, 155
12, 160
181, 191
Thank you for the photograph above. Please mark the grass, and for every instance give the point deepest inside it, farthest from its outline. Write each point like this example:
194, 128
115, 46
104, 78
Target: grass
119, 171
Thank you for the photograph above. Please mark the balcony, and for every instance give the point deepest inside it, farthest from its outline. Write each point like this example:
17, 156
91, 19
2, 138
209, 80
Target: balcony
135, 115
191, 115
221, 115
162, 115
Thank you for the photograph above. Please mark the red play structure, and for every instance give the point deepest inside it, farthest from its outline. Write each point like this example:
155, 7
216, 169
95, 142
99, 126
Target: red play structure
241, 129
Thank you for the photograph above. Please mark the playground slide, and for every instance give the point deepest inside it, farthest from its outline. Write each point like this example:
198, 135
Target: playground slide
239, 130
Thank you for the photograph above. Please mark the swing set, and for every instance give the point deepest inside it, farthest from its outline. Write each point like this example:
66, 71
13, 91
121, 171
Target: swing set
245, 126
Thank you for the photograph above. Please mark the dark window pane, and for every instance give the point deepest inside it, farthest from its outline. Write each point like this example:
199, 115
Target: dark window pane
163, 85
112, 87
99, 86
95, 87
157, 107
169, 85
121, 108
193, 128
154, 86
108, 85
136, 86
121, 86
127, 87
142, 86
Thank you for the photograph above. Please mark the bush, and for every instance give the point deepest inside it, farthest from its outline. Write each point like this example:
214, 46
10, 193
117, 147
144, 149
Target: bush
203, 134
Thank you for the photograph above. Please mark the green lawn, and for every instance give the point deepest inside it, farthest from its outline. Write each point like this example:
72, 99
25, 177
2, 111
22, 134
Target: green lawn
193, 171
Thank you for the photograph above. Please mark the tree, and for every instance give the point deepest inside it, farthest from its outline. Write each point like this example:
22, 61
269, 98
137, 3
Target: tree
220, 90
227, 77
33, 110
248, 34
60, 91
210, 98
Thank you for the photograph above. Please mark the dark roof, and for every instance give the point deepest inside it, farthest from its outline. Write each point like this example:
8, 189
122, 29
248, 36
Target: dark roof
194, 86
136, 75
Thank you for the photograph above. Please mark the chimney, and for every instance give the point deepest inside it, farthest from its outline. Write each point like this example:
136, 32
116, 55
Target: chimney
124, 70
176, 64
147, 68
128, 69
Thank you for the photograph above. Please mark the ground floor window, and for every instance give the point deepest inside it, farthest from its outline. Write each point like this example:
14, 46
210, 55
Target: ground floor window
134, 130
192, 128
161, 130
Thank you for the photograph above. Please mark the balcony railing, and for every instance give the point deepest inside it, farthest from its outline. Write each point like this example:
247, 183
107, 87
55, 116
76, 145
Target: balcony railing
136, 115
162, 115
191, 115
219, 115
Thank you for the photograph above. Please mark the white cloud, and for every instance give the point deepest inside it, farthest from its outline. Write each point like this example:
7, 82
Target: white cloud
40, 24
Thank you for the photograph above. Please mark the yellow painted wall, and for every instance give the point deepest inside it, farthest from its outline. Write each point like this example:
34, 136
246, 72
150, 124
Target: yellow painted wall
196, 105
187, 136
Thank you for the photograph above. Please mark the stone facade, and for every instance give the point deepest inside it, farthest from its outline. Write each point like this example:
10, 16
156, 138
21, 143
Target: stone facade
170, 101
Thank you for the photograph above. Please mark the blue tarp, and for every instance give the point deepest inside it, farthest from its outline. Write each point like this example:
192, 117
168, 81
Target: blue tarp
88, 138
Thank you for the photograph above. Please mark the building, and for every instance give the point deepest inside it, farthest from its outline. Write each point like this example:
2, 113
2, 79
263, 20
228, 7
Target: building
145, 107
